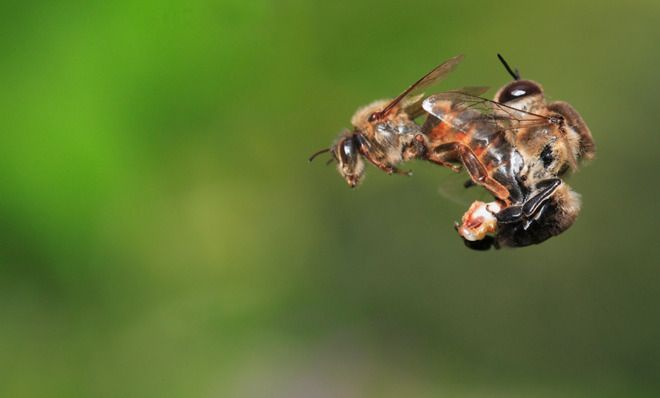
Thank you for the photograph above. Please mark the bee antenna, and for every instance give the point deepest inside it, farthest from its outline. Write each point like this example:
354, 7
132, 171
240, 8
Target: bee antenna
317, 153
513, 72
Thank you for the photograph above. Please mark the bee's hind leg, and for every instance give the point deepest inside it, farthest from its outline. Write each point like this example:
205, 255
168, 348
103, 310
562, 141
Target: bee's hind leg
479, 174
434, 158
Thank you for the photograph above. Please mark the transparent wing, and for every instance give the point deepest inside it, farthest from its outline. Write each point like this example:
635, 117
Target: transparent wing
412, 105
461, 110
457, 188
472, 91
436, 75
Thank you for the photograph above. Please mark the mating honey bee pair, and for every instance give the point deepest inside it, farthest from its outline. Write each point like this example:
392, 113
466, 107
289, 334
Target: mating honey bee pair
517, 146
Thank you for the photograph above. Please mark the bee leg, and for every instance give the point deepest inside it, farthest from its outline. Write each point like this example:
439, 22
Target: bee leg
441, 154
439, 159
452, 167
365, 150
479, 174
406, 173
510, 215
416, 149
544, 190
388, 168
534, 205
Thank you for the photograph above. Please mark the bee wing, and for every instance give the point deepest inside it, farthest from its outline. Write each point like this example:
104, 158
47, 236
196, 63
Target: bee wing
461, 110
435, 75
457, 188
413, 105
474, 91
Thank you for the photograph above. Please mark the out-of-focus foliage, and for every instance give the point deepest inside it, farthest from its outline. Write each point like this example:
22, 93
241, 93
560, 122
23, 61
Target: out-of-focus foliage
161, 233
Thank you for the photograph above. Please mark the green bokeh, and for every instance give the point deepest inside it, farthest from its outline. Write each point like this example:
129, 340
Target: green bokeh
161, 233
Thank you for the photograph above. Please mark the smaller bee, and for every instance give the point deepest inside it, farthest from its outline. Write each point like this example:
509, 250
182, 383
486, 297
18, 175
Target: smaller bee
384, 132
518, 146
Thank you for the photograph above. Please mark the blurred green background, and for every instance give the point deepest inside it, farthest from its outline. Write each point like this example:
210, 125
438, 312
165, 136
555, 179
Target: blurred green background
162, 233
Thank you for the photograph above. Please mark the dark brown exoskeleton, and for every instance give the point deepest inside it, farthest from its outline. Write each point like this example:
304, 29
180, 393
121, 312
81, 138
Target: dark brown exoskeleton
384, 132
518, 147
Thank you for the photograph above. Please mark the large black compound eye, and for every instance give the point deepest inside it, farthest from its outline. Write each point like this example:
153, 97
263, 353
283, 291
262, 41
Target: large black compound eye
518, 89
347, 151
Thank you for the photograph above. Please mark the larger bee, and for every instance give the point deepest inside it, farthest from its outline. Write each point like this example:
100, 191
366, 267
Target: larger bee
518, 146
385, 133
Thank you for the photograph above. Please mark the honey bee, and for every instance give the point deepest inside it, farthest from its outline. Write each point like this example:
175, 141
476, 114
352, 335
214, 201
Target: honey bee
385, 132
519, 147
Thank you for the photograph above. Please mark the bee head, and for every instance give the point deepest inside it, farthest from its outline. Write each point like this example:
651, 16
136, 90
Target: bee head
525, 95
349, 162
